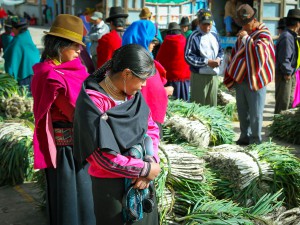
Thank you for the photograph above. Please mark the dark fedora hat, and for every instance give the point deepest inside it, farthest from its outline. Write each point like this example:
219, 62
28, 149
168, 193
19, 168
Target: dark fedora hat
245, 14
184, 21
173, 26
281, 23
116, 12
294, 14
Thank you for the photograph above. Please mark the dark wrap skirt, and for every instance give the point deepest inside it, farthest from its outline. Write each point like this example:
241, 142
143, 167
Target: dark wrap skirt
69, 190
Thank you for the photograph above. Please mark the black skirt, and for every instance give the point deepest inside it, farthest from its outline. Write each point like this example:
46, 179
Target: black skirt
69, 191
108, 195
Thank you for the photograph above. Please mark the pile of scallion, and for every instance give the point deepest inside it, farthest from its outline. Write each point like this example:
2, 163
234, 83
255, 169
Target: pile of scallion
246, 175
220, 127
185, 192
242, 176
16, 153
286, 125
286, 169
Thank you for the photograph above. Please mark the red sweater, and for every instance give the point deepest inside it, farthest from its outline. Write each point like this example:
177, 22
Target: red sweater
106, 47
171, 56
155, 94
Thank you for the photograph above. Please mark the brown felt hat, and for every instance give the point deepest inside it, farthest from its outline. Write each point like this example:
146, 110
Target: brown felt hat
294, 14
68, 27
145, 13
245, 14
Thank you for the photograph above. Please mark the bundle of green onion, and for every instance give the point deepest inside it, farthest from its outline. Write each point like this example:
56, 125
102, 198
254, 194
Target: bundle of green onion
221, 131
242, 176
182, 180
286, 169
8, 85
184, 199
286, 126
192, 131
16, 154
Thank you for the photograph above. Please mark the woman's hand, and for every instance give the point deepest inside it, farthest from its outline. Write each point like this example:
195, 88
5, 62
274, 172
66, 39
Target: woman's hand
141, 183
154, 171
169, 90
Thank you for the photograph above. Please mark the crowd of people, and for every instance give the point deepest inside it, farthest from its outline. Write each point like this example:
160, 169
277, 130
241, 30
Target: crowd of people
95, 104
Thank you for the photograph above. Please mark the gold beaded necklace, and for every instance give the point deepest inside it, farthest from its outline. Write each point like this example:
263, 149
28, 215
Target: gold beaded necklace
112, 89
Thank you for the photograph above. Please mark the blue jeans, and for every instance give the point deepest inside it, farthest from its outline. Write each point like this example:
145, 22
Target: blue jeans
250, 107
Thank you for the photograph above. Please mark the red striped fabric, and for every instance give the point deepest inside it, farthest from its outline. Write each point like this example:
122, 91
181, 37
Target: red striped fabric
254, 60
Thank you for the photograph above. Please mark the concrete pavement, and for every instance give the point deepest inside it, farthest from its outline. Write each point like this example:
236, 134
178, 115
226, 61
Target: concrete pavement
19, 206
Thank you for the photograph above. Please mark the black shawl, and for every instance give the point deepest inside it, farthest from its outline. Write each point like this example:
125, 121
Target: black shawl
114, 131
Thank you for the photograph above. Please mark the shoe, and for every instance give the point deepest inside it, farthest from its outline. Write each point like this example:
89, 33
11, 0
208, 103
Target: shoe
240, 142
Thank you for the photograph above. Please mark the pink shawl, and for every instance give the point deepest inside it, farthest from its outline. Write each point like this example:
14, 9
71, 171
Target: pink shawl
48, 79
297, 90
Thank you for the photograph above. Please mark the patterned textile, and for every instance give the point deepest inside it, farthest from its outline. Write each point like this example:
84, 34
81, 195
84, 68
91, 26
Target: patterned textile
254, 60
48, 79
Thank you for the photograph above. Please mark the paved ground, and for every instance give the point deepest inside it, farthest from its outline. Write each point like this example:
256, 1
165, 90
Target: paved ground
268, 117
18, 205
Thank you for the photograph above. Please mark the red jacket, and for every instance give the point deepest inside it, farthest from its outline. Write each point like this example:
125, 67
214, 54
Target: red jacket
171, 56
107, 44
155, 94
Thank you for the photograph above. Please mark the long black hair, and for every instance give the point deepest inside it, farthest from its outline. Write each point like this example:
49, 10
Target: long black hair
132, 56
53, 45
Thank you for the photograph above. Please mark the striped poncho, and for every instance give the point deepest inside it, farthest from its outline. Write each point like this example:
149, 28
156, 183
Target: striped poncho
254, 60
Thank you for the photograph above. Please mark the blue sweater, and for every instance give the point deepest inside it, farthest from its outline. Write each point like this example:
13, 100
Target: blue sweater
286, 53
200, 47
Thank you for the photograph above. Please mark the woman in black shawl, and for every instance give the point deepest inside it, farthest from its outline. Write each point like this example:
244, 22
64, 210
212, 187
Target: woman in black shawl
111, 117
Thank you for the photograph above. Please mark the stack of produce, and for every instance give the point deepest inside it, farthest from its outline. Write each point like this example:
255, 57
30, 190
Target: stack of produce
286, 125
289, 217
8, 85
286, 169
16, 106
227, 102
247, 174
220, 128
225, 98
184, 191
16, 153
14, 100
192, 131
242, 176
182, 181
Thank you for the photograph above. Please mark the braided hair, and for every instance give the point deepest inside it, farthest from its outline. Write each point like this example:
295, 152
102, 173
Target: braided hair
133, 57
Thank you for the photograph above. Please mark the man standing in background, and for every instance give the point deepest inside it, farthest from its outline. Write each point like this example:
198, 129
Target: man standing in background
98, 29
251, 67
287, 62
185, 26
203, 53
113, 40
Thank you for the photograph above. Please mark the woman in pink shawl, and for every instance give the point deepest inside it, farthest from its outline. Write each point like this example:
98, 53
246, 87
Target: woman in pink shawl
55, 87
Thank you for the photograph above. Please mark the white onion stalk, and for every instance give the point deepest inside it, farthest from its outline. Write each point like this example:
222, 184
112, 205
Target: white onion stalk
193, 131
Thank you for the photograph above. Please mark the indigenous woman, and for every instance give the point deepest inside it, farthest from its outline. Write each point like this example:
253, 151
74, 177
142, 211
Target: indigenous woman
171, 56
21, 54
111, 116
55, 87
143, 32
